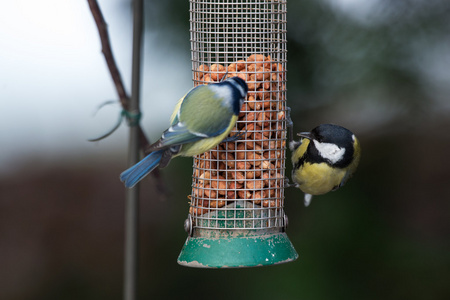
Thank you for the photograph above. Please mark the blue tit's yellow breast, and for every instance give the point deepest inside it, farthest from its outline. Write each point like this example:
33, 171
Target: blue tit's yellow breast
317, 178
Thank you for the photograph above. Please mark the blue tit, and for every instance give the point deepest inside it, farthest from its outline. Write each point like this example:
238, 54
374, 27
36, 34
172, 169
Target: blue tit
201, 120
324, 159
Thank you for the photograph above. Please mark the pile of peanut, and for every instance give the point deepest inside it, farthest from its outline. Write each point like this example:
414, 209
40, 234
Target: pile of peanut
251, 168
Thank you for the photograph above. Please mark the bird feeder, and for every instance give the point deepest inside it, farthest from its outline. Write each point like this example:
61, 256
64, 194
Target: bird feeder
236, 212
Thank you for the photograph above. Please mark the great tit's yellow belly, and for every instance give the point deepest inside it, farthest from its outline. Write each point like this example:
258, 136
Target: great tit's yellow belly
317, 179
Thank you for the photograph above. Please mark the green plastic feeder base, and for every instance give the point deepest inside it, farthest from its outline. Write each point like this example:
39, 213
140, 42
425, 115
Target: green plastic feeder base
236, 248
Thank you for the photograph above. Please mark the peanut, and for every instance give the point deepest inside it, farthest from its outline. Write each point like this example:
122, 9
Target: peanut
251, 167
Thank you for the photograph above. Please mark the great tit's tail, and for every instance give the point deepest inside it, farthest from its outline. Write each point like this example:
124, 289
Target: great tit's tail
134, 174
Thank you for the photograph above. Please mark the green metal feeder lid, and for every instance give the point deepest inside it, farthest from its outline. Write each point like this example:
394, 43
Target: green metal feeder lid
212, 248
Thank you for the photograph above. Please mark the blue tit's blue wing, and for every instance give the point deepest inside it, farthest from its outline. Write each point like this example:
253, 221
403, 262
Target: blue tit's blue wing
179, 134
203, 113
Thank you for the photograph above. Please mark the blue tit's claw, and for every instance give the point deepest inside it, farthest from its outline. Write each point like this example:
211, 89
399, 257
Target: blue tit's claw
168, 154
235, 137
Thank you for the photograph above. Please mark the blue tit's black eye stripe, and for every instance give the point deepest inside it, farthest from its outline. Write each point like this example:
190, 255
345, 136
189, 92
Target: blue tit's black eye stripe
241, 85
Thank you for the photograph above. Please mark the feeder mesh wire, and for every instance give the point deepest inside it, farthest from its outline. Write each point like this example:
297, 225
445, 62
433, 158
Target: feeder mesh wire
240, 185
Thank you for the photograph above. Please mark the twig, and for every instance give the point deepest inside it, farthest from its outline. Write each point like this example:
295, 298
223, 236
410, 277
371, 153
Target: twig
107, 52
112, 66
117, 79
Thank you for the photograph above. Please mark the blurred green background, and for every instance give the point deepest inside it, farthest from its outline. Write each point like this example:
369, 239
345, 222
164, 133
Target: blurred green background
379, 67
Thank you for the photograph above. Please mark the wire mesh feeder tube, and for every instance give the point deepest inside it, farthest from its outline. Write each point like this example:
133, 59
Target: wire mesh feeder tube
236, 214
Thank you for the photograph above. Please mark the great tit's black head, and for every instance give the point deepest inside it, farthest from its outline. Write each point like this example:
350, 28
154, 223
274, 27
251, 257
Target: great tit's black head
333, 134
331, 143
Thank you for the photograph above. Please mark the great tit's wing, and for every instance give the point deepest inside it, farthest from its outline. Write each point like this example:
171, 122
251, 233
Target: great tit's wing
207, 110
346, 177
353, 165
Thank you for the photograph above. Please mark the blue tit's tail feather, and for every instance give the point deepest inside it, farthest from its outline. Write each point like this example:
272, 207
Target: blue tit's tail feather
134, 174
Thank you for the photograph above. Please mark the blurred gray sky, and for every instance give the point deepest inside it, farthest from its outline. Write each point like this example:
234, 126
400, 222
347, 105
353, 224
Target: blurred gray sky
53, 77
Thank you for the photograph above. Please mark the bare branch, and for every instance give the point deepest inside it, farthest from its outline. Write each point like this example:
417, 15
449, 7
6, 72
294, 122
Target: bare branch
107, 52
112, 66
117, 78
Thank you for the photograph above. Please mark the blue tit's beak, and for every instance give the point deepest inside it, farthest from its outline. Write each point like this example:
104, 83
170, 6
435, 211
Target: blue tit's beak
306, 135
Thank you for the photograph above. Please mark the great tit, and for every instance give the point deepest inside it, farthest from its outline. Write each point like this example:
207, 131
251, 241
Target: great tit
200, 121
324, 159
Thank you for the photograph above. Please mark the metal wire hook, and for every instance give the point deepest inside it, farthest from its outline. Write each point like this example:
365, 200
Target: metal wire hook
132, 118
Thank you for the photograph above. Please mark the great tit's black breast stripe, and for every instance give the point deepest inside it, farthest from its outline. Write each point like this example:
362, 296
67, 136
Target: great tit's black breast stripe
300, 162
347, 159
311, 156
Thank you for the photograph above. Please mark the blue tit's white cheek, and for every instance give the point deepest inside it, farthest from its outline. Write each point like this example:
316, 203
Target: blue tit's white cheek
353, 137
224, 93
330, 152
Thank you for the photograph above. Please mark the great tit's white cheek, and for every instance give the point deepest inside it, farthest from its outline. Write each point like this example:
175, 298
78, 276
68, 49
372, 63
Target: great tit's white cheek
330, 151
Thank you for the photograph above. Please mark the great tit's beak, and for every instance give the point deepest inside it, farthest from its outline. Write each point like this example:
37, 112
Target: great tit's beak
306, 135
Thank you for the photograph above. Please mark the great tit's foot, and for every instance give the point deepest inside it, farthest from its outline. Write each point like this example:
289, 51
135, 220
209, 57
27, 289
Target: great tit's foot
289, 123
294, 145
288, 184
